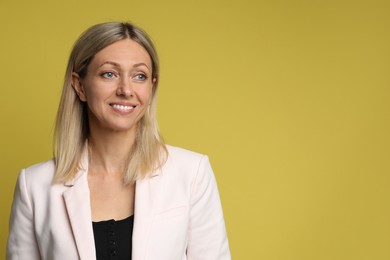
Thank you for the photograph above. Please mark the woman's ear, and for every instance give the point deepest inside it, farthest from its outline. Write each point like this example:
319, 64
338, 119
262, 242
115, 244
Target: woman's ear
78, 87
154, 81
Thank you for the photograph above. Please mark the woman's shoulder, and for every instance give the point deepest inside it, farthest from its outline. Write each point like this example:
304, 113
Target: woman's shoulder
178, 153
41, 173
183, 160
45, 168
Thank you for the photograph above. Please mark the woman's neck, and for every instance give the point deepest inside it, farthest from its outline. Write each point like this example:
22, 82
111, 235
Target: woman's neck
109, 152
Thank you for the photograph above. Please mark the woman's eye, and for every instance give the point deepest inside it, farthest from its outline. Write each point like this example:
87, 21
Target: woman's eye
140, 77
108, 75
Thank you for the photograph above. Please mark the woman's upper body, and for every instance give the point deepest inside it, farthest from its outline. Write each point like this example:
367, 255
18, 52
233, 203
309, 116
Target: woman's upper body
177, 214
109, 98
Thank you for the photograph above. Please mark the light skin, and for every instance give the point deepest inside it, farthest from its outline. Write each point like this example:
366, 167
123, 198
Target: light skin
117, 90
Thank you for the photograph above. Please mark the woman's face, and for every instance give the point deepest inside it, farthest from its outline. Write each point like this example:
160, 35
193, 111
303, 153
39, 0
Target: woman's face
117, 87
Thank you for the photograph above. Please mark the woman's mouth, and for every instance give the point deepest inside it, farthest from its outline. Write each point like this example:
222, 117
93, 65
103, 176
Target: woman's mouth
123, 107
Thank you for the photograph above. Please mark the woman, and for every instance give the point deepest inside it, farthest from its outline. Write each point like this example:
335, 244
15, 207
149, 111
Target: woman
114, 189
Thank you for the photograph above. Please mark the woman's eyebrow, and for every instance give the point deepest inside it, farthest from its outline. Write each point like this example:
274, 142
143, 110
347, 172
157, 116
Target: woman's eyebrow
141, 64
117, 64
110, 63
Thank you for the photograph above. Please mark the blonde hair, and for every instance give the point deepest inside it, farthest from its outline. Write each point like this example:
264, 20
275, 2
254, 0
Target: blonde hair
71, 130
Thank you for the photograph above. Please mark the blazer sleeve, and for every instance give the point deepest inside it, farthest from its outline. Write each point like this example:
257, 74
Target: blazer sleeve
22, 243
207, 233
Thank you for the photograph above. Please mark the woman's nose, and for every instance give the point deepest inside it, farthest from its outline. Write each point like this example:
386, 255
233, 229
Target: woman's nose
125, 88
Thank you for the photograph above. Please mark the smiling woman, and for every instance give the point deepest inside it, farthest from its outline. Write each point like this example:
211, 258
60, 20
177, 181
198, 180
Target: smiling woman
117, 88
114, 189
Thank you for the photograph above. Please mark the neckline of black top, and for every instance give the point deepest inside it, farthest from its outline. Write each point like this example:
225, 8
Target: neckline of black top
129, 218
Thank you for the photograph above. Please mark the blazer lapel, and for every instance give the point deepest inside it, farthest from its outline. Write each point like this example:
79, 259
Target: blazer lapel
146, 194
78, 206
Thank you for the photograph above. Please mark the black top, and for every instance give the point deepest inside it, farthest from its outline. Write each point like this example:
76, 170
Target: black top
113, 239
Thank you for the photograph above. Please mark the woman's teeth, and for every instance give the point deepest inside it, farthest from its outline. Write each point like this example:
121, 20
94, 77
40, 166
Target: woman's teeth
123, 108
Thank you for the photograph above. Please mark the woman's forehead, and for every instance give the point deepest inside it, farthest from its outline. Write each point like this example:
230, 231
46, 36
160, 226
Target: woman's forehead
122, 53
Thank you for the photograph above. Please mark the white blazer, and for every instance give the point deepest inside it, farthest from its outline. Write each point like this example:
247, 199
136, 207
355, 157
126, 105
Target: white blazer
177, 214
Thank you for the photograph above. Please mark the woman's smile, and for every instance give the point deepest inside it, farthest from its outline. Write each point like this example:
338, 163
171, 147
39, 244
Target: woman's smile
123, 108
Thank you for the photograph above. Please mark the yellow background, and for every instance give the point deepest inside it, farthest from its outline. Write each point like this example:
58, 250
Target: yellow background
289, 98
